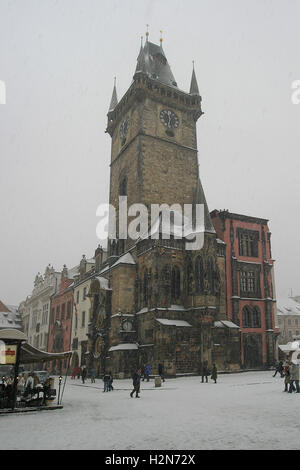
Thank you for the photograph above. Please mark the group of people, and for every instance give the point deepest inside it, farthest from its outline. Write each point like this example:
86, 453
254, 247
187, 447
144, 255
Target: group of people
28, 388
205, 372
83, 372
290, 372
108, 382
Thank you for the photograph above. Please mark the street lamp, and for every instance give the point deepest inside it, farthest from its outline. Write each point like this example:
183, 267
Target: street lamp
59, 385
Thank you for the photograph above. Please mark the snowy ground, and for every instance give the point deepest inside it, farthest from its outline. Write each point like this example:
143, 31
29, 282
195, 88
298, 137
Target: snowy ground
242, 411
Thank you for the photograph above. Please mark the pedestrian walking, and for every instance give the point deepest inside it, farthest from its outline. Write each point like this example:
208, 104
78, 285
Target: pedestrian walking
205, 372
110, 382
83, 373
287, 378
214, 373
161, 372
93, 374
136, 381
106, 380
146, 373
294, 378
278, 369
78, 372
74, 373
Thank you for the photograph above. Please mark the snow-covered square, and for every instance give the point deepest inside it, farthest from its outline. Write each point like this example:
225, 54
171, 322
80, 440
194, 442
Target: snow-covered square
242, 411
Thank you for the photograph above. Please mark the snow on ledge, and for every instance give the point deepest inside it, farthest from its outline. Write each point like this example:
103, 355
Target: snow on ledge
167, 322
124, 346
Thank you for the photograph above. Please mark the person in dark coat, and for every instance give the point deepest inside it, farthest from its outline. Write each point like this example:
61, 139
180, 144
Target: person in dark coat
214, 373
111, 382
279, 369
136, 381
106, 380
83, 373
205, 372
161, 372
78, 372
93, 374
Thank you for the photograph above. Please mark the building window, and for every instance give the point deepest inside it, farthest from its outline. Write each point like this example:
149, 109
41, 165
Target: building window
63, 307
248, 282
248, 242
83, 319
210, 276
175, 283
57, 312
146, 284
251, 317
148, 333
84, 294
69, 309
123, 187
199, 275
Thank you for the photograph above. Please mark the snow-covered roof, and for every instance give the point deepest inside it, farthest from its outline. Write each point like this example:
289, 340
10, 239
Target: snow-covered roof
222, 323
288, 306
124, 346
167, 322
125, 259
120, 314
9, 316
103, 282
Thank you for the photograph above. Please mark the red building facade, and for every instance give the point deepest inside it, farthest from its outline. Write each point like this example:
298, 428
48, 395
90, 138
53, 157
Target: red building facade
60, 326
250, 284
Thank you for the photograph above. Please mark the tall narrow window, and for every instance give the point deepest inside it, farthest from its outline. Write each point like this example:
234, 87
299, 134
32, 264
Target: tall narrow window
145, 286
199, 275
175, 283
210, 276
123, 187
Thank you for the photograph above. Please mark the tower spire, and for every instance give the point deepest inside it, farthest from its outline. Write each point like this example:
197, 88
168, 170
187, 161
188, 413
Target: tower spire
147, 33
194, 90
114, 98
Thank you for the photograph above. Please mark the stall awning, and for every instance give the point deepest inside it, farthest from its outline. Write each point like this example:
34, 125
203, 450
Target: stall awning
12, 334
29, 354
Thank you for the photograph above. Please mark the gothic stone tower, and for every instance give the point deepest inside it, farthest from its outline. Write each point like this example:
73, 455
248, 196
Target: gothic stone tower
165, 299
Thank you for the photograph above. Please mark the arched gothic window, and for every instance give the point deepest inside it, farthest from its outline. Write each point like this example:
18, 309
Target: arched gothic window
145, 287
210, 275
251, 317
123, 186
190, 278
199, 275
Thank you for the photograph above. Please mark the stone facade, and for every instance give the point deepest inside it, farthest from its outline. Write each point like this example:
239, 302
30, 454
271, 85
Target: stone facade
163, 303
250, 285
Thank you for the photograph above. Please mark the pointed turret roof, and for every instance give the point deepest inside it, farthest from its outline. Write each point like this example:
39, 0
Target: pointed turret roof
194, 90
199, 198
152, 61
114, 99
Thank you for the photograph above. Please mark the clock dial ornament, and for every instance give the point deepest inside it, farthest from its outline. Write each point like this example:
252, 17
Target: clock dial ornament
169, 119
124, 128
127, 325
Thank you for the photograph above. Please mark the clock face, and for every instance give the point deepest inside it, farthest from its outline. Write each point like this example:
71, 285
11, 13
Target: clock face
127, 325
169, 119
124, 128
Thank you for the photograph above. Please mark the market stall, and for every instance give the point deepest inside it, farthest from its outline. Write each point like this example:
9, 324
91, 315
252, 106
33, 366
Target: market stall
15, 351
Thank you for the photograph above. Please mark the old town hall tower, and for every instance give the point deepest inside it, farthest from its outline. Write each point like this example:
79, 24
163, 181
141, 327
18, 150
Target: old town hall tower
156, 301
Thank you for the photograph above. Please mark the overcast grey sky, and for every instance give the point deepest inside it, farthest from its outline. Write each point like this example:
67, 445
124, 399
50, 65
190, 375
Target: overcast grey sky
58, 59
